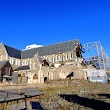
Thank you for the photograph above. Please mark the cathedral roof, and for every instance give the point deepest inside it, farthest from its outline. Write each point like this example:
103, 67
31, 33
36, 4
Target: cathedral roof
42, 51
12, 52
51, 49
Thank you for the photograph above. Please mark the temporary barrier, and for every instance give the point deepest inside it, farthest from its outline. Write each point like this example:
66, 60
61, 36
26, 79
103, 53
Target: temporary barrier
96, 73
97, 76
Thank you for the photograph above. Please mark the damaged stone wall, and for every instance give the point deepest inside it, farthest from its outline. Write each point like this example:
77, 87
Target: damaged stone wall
63, 71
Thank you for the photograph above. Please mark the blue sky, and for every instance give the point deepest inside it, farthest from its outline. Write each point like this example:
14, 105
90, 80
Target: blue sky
25, 22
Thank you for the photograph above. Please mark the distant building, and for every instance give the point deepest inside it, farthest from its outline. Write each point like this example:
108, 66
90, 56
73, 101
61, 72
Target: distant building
32, 46
36, 63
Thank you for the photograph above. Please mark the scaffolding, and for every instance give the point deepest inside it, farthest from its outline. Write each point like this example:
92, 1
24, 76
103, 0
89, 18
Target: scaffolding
100, 60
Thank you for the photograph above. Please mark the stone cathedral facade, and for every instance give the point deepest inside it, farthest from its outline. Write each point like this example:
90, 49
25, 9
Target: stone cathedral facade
36, 65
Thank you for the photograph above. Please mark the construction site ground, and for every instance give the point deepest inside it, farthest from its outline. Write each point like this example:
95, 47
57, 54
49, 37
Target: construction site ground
68, 94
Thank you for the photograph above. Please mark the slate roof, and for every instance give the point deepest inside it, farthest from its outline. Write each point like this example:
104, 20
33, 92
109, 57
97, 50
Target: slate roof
2, 63
12, 52
23, 68
51, 49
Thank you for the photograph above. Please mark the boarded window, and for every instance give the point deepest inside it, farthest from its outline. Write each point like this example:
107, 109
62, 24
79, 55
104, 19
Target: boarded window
67, 57
56, 57
71, 55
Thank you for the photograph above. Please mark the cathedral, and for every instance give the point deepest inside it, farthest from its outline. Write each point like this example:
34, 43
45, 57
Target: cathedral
38, 64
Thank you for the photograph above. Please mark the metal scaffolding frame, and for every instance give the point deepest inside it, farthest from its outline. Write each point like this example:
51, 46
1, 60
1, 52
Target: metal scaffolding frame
101, 60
